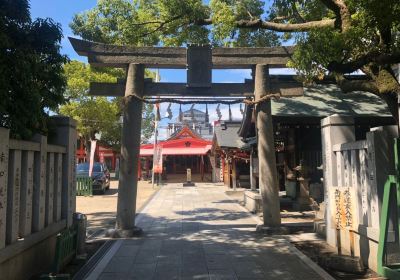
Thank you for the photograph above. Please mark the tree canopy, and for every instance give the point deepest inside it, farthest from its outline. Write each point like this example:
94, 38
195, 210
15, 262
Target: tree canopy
97, 114
333, 37
93, 114
168, 22
31, 69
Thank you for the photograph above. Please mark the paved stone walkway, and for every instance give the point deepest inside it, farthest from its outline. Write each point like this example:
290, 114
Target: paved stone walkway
200, 233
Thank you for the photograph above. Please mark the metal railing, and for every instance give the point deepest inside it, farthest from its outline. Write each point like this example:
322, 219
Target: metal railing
84, 186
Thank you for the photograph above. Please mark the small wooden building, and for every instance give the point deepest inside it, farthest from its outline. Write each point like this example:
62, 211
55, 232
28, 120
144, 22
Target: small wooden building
230, 156
297, 132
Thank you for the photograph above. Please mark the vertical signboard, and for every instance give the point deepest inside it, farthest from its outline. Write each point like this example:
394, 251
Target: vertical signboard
158, 160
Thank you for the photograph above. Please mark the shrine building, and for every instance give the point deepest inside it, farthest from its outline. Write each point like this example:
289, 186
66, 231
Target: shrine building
183, 149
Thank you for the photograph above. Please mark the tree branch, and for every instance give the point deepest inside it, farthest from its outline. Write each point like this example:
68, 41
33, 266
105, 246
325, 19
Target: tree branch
356, 85
343, 16
274, 26
373, 57
296, 13
161, 25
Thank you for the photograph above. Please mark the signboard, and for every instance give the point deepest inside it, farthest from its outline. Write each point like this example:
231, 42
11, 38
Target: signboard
158, 160
342, 207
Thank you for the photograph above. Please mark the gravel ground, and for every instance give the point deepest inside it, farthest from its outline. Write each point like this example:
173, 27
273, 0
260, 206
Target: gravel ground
101, 209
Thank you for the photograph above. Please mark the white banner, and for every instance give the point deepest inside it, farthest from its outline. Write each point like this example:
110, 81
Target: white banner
158, 160
91, 160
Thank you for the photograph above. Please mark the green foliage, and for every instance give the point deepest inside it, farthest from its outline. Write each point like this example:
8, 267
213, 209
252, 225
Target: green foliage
31, 72
357, 29
171, 23
98, 114
225, 15
93, 114
318, 48
79, 75
147, 123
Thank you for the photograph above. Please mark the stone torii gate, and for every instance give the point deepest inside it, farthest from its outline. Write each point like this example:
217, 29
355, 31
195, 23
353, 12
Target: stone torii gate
199, 62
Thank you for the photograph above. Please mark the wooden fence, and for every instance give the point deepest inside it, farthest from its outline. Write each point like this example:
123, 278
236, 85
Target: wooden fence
37, 187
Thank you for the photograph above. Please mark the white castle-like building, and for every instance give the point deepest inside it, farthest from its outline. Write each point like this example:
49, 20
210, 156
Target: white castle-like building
196, 120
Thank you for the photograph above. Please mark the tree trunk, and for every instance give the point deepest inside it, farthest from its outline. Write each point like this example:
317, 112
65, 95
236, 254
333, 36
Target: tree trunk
392, 102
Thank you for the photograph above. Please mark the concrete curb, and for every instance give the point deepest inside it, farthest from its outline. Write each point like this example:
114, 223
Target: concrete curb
98, 269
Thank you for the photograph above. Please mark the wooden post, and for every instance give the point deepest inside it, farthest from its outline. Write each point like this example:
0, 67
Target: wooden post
39, 185
268, 181
252, 180
66, 136
234, 174
228, 173
130, 146
4, 149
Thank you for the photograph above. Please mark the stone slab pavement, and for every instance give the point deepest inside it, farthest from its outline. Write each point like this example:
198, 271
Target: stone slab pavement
201, 233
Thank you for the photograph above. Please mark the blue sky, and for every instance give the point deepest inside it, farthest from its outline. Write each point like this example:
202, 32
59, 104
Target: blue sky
62, 11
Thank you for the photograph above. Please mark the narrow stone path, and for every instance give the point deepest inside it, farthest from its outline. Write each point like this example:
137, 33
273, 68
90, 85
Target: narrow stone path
200, 233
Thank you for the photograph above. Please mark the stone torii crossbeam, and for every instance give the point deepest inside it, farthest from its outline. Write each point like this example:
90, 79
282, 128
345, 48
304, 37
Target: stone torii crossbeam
199, 62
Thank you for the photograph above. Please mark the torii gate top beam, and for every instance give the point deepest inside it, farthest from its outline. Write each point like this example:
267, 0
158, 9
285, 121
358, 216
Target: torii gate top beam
176, 57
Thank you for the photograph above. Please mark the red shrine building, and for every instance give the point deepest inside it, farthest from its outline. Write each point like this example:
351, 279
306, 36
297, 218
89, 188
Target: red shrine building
102, 153
182, 150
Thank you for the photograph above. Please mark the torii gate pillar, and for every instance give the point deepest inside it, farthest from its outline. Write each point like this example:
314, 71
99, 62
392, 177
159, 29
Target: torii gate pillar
268, 180
130, 147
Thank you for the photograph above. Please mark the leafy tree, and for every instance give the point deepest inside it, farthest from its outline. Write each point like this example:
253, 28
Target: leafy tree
168, 22
96, 114
93, 114
333, 37
31, 72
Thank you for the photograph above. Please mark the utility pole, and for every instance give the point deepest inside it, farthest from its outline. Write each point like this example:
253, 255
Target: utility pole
155, 131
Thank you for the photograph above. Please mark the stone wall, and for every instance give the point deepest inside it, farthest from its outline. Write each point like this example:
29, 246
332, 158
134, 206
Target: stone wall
354, 176
37, 198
